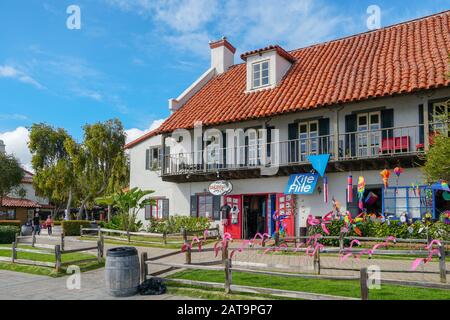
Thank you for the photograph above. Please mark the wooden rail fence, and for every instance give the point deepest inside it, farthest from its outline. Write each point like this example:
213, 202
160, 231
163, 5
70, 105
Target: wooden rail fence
163, 238
226, 265
58, 251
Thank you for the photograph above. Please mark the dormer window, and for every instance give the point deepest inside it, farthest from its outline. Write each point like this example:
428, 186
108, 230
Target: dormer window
260, 74
266, 67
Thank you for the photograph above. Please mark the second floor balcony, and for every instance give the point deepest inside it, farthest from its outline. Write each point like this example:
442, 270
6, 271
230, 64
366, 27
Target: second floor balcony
362, 150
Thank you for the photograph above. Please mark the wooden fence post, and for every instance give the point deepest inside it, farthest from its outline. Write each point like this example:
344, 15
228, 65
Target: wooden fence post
128, 236
102, 243
33, 239
442, 268
14, 252
228, 279
188, 255
58, 258
277, 239
184, 232
144, 266
225, 253
165, 238
62, 241
341, 241
81, 231
99, 251
99, 231
363, 284
317, 261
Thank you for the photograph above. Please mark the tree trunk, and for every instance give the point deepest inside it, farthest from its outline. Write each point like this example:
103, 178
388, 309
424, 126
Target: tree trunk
69, 201
82, 207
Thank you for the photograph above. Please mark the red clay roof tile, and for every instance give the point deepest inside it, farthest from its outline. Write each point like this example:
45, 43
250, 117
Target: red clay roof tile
403, 58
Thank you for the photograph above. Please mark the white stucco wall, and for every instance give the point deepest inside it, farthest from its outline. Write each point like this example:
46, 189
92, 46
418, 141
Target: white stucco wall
406, 113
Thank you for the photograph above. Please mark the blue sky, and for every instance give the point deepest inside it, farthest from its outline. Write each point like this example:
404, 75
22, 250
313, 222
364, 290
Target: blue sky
131, 56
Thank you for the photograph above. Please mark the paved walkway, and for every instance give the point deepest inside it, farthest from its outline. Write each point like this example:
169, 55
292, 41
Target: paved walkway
22, 286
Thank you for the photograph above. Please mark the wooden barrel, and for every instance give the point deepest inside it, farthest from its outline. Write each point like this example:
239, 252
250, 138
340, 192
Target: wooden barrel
122, 271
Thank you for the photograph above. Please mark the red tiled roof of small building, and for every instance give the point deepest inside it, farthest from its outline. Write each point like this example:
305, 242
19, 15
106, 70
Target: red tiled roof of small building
19, 203
399, 59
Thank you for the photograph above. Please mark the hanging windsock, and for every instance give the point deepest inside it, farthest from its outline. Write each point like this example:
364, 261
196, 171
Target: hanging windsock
325, 189
349, 189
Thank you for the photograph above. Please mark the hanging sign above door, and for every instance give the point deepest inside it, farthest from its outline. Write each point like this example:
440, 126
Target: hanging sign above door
220, 188
302, 183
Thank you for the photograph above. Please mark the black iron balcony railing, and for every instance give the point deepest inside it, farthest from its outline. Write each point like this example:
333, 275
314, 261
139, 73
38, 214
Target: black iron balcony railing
406, 140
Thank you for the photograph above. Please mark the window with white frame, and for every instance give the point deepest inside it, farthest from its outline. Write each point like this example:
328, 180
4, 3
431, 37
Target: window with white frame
441, 117
308, 138
153, 159
260, 74
8, 214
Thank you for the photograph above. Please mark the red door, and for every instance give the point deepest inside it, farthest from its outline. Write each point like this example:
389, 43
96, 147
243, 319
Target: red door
234, 219
285, 214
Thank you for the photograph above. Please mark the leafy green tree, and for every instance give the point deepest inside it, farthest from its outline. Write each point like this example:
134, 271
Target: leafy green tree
127, 204
437, 165
54, 171
11, 175
99, 161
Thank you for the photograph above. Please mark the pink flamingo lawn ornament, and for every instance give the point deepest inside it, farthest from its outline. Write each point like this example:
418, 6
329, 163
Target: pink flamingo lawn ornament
348, 251
221, 245
378, 245
431, 253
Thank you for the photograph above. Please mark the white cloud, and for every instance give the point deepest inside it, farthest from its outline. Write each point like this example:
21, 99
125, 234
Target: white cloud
11, 72
134, 133
189, 24
16, 142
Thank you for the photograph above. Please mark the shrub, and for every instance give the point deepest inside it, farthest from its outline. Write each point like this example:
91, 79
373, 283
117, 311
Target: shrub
72, 227
15, 223
176, 224
8, 234
57, 223
436, 230
117, 223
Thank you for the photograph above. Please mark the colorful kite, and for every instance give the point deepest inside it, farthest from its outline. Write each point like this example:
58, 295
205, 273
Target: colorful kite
361, 189
398, 171
385, 174
349, 189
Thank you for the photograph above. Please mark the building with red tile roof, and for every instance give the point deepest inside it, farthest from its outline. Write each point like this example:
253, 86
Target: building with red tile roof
370, 101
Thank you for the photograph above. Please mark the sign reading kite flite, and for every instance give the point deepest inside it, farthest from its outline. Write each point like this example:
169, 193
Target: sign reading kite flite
220, 188
302, 183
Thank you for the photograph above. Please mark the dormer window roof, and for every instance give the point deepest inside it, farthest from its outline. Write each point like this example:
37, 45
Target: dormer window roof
280, 51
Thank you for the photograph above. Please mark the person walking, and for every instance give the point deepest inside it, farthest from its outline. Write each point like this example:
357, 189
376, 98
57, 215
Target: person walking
49, 224
36, 224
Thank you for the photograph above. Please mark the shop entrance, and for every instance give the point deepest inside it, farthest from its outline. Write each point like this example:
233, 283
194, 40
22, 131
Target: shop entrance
254, 215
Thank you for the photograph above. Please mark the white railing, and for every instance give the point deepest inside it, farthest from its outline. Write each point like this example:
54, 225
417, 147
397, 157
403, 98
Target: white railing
398, 141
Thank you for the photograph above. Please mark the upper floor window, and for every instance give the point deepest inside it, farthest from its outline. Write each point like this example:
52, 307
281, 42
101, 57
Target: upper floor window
441, 117
260, 72
153, 159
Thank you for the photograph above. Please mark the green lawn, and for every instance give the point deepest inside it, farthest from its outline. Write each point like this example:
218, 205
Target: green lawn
48, 271
345, 288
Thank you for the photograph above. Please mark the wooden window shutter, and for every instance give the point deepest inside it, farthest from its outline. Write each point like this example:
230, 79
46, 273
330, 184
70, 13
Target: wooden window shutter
193, 206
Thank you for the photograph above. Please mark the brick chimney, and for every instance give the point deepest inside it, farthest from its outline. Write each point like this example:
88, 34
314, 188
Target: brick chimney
222, 55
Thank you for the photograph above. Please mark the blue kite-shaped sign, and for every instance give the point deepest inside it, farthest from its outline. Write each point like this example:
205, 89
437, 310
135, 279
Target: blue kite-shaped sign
319, 163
